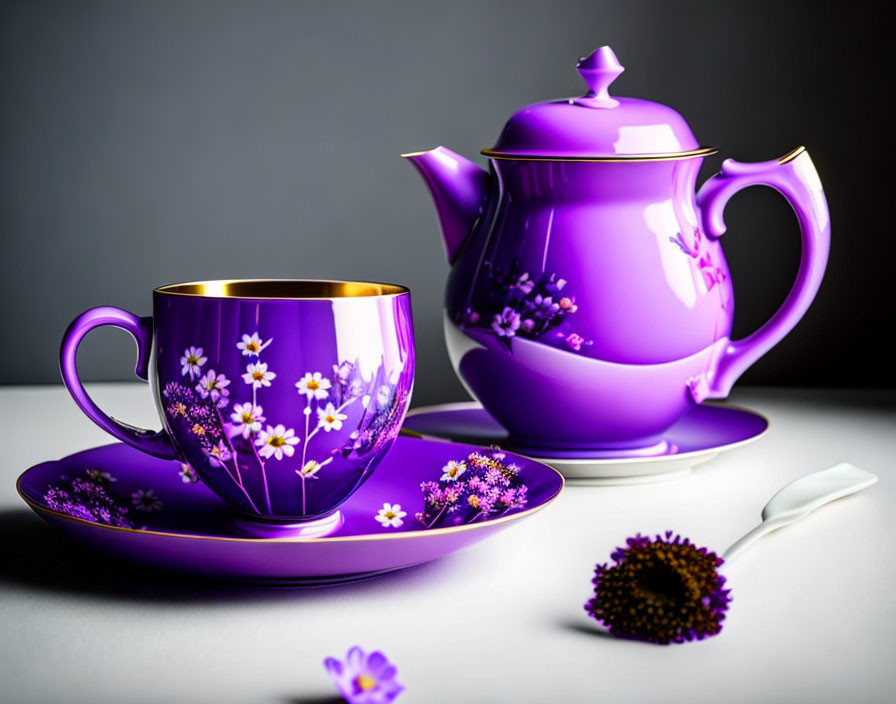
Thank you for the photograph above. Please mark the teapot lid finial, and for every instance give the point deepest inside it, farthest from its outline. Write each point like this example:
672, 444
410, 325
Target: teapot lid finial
599, 69
597, 126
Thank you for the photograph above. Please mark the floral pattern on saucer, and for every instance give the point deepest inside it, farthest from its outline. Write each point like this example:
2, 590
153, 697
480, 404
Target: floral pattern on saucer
193, 532
483, 485
90, 498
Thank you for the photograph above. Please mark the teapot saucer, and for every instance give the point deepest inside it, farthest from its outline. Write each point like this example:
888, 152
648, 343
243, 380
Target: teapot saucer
699, 436
152, 511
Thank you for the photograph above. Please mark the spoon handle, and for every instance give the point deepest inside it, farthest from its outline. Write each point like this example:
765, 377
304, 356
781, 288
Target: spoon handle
802, 496
747, 540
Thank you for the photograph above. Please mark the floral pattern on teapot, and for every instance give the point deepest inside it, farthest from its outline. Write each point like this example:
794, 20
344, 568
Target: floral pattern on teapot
517, 304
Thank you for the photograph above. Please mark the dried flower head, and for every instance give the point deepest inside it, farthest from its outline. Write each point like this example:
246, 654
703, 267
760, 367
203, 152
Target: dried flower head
664, 590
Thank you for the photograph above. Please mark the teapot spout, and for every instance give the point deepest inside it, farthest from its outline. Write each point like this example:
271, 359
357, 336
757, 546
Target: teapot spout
459, 190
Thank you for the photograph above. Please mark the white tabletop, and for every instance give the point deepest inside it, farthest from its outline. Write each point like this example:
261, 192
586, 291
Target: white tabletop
812, 617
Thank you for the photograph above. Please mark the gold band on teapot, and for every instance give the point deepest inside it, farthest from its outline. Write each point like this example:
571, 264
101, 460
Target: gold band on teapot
670, 156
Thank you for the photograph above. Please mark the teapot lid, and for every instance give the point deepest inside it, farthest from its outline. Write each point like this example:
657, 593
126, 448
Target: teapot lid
597, 126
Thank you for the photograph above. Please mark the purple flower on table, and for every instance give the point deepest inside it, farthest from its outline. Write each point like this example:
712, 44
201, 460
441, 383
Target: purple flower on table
192, 361
506, 323
363, 678
251, 345
146, 500
661, 590
277, 442
213, 386
247, 418
257, 375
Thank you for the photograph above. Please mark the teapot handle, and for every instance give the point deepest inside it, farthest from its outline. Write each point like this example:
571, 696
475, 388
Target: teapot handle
795, 177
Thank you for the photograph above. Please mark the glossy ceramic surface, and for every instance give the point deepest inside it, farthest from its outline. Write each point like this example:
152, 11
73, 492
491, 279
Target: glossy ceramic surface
698, 437
589, 305
597, 124
169, 522
282, 396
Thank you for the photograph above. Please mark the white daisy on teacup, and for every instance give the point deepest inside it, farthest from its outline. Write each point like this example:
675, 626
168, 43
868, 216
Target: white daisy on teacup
314, 386
330, 418
258, 375
251, 345
277, 442
192, 361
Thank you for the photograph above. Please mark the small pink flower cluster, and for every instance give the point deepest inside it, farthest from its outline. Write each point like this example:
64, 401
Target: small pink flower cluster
479, 487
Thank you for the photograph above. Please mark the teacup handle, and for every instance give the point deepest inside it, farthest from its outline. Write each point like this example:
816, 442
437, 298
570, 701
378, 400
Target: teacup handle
156, 443
795, 177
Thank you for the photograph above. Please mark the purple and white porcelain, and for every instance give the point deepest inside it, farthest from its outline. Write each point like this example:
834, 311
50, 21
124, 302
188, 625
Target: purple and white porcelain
589, 305
282, 395
152, 511
701, 435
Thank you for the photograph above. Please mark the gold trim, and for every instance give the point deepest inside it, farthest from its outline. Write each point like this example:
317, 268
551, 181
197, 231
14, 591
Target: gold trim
282, 289
790, 156
336, 539
671, 156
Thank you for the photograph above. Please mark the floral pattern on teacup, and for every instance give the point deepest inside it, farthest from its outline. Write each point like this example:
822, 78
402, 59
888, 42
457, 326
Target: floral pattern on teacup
228, 421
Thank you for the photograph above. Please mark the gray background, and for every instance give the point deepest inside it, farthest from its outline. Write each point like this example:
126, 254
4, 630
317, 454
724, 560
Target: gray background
143, 144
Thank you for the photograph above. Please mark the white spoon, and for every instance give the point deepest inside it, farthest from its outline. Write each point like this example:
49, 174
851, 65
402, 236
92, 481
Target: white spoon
802, 496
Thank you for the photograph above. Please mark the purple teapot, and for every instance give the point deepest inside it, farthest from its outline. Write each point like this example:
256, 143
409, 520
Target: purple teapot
589, 305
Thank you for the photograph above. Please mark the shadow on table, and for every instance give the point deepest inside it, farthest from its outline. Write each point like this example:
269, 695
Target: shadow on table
589, 629
33, 555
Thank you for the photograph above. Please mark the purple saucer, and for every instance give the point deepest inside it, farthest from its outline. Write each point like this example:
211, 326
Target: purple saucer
699, 436
136, 507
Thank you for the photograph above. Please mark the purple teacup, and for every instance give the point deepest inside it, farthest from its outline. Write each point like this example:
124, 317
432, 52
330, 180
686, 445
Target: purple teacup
282, 395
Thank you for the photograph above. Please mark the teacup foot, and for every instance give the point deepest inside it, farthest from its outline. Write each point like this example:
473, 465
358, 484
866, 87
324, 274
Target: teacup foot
260, 528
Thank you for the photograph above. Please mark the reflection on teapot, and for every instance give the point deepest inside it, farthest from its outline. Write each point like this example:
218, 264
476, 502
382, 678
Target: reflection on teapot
589, 305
